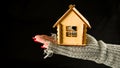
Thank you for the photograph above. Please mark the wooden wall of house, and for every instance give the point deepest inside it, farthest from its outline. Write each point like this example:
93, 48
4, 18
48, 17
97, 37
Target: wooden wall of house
58, 34
84, 34
73, 20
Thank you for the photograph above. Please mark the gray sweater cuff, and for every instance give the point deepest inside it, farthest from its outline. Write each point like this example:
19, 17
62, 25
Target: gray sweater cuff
97, 51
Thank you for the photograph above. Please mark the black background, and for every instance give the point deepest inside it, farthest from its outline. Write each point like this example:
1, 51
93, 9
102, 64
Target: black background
26, 18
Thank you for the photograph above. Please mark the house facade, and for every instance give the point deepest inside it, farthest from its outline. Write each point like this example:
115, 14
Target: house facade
72, 28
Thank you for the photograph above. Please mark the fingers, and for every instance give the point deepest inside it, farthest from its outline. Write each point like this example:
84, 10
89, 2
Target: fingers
43, 47
34, 39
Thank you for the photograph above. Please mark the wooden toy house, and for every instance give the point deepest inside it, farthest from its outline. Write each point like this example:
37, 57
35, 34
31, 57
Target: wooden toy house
72, 28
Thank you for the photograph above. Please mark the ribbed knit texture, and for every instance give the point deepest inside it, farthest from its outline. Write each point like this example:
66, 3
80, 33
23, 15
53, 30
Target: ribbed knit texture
97, 51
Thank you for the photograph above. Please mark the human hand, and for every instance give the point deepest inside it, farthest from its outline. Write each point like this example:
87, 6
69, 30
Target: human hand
44, 39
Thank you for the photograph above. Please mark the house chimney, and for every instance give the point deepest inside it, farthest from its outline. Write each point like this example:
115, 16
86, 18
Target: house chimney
71, 6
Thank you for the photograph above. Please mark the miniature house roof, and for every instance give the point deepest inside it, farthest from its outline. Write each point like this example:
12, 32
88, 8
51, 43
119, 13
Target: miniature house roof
72, 8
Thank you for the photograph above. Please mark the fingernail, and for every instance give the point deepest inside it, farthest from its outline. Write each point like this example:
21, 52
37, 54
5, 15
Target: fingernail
43, 47
34, 38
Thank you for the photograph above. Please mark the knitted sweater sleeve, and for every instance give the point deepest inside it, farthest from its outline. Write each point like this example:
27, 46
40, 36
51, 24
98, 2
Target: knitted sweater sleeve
97, 51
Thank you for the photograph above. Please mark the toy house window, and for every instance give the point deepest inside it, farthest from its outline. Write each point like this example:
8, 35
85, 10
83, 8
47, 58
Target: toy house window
71, 31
